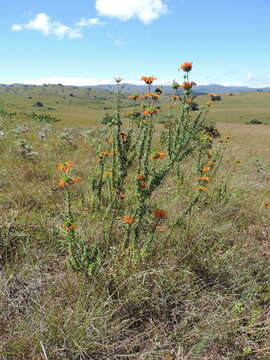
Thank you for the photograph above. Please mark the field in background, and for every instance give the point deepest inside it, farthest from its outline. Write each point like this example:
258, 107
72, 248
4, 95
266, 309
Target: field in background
205, 295
85, 106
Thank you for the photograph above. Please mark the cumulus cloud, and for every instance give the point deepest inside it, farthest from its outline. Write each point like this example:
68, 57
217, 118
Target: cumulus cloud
84, 22
145, 10
43, 23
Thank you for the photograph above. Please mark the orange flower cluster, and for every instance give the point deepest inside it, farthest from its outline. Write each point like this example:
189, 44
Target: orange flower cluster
187, 85
65, 166
151, 111
128, 220
187, 66
153, 96
148, 79
206, 169
204, 178
141, 181
159, 214
67, 181
158, 155
203, 188
69, 226
134, 97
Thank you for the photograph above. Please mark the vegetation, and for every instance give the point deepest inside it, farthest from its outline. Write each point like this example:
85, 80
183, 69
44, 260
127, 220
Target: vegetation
142, 237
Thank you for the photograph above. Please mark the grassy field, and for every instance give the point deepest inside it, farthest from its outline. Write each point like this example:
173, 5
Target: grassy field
201, 293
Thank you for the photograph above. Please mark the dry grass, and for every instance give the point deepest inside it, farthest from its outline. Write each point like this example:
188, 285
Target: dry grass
203, 294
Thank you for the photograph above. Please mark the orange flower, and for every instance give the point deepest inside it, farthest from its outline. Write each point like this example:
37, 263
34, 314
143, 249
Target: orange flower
66, 181
209, 104
109, 140
128, 219
65, 166
158, 155
190, 101
266, 204
187, 66
204, 178
206, 168
143, 184
68, 226
122, 135
159, 214
134, 97
203, 188
104, 154
187, 85
212, 163
141, 177
148, 79
152, 95
151, 111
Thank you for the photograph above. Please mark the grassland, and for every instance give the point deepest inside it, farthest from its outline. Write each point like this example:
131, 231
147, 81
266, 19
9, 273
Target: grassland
204, 292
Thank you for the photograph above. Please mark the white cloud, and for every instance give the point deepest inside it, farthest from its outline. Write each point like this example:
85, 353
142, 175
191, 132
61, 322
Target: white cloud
17, 27
145, 10
43, 23
250, 76
89, 22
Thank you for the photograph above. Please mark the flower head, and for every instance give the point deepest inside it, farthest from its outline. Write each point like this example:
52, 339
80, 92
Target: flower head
141, 177
65, 166
206, 169
204, 178
203, 188
188, 85
67, 181
148, 79
158, 155
187, 66
150, 111
159, 214
128, 220
266, 204
104, 154
69, 226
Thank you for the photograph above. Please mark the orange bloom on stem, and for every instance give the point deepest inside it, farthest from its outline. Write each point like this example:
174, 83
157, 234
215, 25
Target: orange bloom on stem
128, 219
104, 154
266, 204
68, 226
203, 188
204, 178
159, 214
188, 85
212, 163
122, 135
148, 79
141, 177
65, 166
206, 169
66, 181
143, 184
158, 155
187, 66
160, 228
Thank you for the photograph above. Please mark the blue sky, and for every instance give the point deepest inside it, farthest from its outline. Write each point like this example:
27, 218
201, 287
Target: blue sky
90, 41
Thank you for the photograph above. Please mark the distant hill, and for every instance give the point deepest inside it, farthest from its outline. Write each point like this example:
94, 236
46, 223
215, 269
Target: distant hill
132, 88
201, 89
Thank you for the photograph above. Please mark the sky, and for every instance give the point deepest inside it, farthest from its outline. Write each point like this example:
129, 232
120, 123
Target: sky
89, 42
